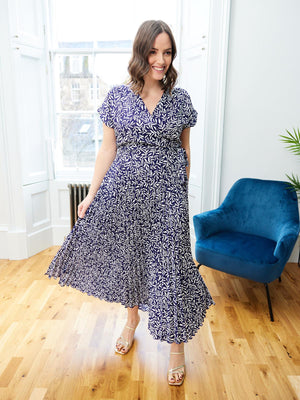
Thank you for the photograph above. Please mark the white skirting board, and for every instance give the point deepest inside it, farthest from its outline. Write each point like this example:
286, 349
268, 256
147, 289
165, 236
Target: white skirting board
18, 245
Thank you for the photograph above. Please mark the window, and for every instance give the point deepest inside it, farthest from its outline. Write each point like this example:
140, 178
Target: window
94, 91
78, 95
75, 67
90, 48
75, 92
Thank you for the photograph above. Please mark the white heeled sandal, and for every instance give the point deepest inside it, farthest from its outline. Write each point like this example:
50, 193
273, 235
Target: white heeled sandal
125, 344
177, 370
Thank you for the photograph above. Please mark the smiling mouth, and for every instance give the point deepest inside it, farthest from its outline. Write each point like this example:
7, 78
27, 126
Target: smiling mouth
159, 69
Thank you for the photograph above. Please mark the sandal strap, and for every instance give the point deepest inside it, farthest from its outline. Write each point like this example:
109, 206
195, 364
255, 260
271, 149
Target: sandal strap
177, 353
122, 340
176, 369
129, 327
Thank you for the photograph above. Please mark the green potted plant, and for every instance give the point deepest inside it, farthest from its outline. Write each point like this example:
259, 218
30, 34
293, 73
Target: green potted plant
292, 141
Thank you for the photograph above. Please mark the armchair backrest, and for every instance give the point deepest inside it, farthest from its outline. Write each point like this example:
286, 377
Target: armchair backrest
261, 207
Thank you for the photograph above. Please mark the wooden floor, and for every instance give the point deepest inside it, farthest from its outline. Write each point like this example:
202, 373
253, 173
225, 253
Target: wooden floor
58, 344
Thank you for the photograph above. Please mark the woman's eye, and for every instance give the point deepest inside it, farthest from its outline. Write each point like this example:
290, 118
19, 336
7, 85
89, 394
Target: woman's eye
168, 53
152, 51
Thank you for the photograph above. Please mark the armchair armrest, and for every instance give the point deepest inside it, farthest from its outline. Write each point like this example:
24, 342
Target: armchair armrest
210, 222
286, 241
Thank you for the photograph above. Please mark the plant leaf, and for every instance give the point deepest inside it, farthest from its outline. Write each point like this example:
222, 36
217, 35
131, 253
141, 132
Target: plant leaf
295, 182
292, 141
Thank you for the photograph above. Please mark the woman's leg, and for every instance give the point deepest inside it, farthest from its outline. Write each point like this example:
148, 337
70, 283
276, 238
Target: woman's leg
176, 360
133, 316
125, 340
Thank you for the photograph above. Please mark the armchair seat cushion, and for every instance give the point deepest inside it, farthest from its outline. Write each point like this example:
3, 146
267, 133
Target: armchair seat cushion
240, 254
246, 247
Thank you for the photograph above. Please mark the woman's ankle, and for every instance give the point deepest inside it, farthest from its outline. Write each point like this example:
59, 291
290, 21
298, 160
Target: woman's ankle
133, 315
177, 348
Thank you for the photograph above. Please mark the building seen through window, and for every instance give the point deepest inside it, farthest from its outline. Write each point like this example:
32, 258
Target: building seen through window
82, 82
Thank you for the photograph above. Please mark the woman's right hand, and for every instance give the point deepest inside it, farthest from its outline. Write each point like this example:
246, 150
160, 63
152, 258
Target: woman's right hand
83, 206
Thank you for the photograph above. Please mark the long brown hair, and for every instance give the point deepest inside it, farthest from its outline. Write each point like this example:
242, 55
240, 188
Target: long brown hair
138, 65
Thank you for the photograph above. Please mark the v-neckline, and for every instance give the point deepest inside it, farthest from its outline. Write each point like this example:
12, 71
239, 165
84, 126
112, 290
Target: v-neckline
146, 108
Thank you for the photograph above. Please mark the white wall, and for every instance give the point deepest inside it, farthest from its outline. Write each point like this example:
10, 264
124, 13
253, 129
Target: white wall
263, 90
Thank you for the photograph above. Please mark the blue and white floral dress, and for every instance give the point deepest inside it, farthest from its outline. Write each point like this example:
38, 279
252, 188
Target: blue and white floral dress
133, 244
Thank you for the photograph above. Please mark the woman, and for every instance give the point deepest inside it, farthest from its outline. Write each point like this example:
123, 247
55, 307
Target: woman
131, 243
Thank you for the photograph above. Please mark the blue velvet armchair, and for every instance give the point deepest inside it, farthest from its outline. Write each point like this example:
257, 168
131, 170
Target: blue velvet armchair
252, 233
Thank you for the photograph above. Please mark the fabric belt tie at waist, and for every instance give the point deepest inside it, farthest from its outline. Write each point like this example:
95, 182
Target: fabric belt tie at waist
182, 160
167, 144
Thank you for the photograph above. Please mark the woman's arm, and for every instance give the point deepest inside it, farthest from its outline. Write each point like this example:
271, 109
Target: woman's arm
105, 157
185, 142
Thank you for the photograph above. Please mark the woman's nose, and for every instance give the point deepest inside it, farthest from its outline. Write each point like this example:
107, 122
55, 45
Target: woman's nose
160, 58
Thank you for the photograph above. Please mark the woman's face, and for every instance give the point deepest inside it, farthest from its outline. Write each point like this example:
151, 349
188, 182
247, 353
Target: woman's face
160, 57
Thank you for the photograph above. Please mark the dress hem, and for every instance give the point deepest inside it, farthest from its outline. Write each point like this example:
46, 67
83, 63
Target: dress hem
142, 307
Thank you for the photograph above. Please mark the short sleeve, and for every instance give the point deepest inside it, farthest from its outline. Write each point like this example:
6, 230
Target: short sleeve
106, 110
189, 114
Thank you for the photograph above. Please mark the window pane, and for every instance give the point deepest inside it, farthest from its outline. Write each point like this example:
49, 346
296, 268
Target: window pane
94, 20
114, 44
75, 76
111, 69
77, 140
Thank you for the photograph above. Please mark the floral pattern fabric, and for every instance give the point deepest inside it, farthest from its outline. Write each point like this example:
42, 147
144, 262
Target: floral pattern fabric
133, 244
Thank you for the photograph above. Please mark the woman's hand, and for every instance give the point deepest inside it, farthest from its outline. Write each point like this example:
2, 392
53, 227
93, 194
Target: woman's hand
83, 206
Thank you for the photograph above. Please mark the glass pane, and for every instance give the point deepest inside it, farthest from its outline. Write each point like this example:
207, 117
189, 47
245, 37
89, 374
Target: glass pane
116, 20
74, 78
114, 44
77, 140
111, 69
